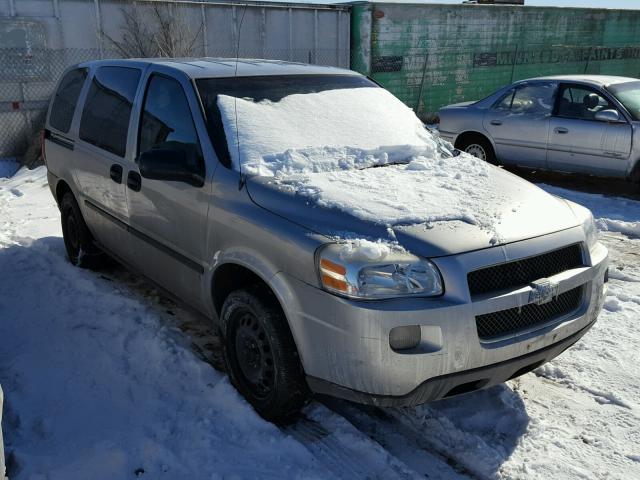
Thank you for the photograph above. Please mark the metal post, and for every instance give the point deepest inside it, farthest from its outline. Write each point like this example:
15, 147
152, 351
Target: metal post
586, 66
513, 67
263, 32
348, 52
205, 40
338, 38
26, 112
290, 34
99, 27
56, 8
12, 8
234, 31
424, 74
315, 36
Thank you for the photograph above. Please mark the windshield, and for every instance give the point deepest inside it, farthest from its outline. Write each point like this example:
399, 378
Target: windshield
629, 95
302, 123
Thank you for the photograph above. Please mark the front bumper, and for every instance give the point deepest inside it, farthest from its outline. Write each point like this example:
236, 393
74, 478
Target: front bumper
454, 383
344, 344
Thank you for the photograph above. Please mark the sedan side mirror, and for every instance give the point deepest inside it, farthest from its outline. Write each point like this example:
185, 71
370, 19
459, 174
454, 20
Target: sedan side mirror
168, 164
609, 116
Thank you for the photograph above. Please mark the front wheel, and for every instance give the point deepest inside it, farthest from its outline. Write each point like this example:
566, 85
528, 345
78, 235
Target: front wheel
479, 147
260, 354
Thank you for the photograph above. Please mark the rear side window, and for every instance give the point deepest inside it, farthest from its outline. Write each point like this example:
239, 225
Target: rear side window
536, 99
107, 110
64, 102
167, 124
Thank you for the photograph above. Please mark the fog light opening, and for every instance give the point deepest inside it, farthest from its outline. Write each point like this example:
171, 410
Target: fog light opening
466, 388
405, 338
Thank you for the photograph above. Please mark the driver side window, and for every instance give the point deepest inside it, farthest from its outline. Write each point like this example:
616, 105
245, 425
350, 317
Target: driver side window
166, 122
581, 103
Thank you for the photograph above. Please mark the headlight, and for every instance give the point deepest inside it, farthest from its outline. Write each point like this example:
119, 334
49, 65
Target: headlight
373, 271
590, 231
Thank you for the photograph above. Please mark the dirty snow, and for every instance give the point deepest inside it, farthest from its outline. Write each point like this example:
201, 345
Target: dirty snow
325, 146
99, 382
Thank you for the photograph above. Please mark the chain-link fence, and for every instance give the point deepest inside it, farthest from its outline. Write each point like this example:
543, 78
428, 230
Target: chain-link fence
425, 81
28, 79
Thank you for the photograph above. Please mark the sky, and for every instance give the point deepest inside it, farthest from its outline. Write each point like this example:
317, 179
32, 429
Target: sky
630, 4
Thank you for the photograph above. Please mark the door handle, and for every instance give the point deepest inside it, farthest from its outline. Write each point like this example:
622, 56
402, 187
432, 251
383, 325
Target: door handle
496, 122
115, 172
134, 181
561, 130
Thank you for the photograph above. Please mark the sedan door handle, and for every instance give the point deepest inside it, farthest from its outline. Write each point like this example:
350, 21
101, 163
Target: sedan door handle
134, 181
496, 122
561, 130
115, 172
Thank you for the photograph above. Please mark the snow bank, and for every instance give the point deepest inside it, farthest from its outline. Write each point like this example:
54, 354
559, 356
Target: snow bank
612, 214
97, 383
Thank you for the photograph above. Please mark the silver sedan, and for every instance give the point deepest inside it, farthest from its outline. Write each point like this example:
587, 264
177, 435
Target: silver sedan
580, 123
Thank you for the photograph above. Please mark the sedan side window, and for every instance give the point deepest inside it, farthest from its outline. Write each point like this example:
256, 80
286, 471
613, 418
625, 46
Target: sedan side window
535, 99
581, 103
166, 123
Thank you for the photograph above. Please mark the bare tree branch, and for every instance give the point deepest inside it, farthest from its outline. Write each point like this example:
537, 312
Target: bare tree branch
161, 30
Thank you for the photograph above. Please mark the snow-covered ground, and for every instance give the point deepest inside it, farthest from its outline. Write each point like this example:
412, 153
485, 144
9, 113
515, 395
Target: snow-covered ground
103, 378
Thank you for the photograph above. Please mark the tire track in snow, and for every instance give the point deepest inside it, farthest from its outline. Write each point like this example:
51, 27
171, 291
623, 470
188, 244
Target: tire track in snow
343, 449
413, 448
464, 451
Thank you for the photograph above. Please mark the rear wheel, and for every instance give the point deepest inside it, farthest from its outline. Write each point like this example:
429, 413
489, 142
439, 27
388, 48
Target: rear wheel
78, 241
261, 356
479, 147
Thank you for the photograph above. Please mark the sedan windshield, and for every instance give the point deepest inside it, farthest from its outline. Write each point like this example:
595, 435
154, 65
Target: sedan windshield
629, 95
296, 123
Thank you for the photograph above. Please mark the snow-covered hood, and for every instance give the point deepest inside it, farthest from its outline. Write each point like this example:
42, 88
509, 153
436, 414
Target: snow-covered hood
426, 211
358, 163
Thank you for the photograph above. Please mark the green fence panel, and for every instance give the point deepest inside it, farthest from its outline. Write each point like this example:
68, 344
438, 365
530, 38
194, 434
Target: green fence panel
434, 55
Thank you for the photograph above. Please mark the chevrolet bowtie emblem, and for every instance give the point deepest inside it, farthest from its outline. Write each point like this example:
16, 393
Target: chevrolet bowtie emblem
543, 291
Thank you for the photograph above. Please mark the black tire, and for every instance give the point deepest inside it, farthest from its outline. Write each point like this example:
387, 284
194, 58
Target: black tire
78, 241
478, 146
260, 355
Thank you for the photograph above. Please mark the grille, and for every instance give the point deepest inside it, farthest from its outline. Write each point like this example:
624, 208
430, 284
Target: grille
522, 272
497, 324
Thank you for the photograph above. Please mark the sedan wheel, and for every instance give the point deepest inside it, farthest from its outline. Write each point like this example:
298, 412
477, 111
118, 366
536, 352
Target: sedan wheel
477, 151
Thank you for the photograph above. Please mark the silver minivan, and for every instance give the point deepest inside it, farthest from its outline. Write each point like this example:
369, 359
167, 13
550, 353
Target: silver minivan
336, 252
572, 123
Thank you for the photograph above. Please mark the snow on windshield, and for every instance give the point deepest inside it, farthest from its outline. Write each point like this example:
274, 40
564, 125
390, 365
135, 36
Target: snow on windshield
324, 131
320, 145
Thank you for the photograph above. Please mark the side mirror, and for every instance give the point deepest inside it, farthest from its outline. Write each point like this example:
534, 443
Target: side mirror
609, 116
168, 164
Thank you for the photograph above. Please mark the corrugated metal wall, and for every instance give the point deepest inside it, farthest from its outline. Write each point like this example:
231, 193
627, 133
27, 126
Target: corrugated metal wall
40, 38
435, 55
